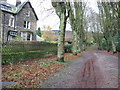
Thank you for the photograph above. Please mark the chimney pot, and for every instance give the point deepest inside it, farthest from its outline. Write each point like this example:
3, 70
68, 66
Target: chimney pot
18, 2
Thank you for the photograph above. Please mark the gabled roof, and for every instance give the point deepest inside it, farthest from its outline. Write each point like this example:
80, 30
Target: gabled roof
19, 8
16, 10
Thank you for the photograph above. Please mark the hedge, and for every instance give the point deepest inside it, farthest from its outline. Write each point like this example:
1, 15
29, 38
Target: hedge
20, 46
22, 51
68, 48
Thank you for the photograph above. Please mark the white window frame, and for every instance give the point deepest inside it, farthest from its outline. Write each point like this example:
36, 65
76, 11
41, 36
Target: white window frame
26, 24
11, 21
9, 37
31, 37
27, 13
24, 36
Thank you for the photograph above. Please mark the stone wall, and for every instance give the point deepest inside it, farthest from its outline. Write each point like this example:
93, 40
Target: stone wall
5, 25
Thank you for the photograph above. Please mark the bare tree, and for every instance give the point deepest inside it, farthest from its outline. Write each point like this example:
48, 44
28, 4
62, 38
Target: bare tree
62, 12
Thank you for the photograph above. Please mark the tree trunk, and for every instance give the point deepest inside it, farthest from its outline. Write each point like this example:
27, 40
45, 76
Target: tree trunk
0, 46
0, 27
74, 42
107, 44
74, 31
113, 45
60, 8
61, 37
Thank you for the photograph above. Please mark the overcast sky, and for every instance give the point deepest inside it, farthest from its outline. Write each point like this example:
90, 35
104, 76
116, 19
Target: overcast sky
46, 15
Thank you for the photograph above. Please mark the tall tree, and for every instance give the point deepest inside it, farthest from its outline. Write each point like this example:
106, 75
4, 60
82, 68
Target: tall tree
109, 20
76, 18
73, 26
38, 32
47, 33
0, 46
0, 28
62, 12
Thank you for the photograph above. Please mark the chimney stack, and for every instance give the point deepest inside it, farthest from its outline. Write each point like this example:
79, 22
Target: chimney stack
18, 2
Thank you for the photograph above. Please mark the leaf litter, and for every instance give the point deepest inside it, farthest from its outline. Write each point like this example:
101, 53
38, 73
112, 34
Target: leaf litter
32, 73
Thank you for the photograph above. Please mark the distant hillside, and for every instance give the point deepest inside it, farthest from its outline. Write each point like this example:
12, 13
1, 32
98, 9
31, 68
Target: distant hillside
68, 34
56, 32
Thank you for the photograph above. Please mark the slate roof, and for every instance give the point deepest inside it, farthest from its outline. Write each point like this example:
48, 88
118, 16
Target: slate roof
15, 10
7, 4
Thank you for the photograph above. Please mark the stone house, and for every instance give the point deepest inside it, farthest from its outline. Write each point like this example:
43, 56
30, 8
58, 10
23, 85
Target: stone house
18, 20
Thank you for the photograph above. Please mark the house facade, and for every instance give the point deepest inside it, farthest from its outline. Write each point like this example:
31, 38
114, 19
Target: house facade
18, 20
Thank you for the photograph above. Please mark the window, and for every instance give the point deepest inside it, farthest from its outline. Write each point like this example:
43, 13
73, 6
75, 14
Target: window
11, 21
2, 6
8, 8
24, 36
9, 37
27, 24
27, 13
28, 36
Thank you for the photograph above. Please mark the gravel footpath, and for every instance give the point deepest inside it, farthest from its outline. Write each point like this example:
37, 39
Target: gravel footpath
109, 67
92, 70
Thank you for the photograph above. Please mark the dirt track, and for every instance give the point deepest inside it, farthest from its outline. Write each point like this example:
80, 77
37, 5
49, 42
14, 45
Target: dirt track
93, 69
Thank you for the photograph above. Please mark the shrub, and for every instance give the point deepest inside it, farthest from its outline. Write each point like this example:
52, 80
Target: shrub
19, 46
104, 45
68, 48
11, 58
17, 38
118, 46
